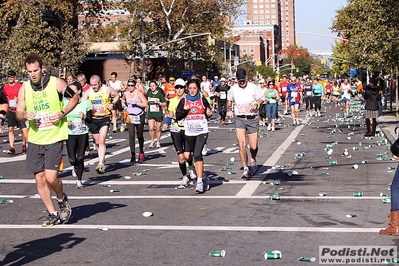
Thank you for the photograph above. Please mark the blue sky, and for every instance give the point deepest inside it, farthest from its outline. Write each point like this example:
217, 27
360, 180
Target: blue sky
316, 16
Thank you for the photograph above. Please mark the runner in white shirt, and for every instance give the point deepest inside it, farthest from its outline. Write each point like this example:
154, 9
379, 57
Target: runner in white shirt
119, 87
346, 92
247, 98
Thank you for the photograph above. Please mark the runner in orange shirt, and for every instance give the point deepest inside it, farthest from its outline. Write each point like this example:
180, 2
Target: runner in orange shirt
169, 90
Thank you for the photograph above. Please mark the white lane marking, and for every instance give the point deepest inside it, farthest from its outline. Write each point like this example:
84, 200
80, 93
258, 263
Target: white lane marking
36, 196
198, 228
250, 188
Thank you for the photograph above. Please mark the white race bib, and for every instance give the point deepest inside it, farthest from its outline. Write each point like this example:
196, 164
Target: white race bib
222, 95
195, 125
42, 121
134, 119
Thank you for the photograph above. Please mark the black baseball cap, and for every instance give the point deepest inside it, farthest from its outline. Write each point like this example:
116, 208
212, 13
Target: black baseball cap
11, 73
241, 74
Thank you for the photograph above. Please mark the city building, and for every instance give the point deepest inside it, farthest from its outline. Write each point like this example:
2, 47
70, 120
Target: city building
268, 30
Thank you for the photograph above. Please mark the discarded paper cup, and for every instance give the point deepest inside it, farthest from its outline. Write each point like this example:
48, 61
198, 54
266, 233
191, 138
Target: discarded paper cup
307, 259
333, 162
330, 151
232, 173
351, 215
355, 166
322, 194
386, 200
385, 195
220, 253
358, 194
103, 228
6, 201
364, 161
232, 159
272, 254
105, 185
277, 183
147, 214
114, 190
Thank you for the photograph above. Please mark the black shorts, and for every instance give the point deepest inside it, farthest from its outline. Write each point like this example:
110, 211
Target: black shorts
98, 123
282, 98
12, 120
178, 139
118, 106
41, 157
156, 118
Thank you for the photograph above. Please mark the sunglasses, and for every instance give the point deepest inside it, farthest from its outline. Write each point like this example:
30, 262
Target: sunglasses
130, 85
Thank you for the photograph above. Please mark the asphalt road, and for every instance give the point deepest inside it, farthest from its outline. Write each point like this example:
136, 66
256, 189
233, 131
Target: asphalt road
234, 215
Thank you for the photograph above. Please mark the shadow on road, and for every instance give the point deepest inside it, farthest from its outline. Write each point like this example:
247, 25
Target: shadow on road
28, 252
85, 211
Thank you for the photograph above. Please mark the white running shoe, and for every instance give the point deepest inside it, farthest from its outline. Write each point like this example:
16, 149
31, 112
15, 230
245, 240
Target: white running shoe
74, 172
151, 146
158, 145
269, 127
185, 181
191, 172
273, 129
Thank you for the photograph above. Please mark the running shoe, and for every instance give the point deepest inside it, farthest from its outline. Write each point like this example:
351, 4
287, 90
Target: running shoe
122, 129
245, 175
141, 157
24, 149
273, 129
114, 130
199, 187
205, 182
74, 172
100, 168
79, 184
269, 127
87, 152
65, 210
11, 151
191, 172
185, 181
158, 145
253, 167
133, 159
205, 150
151, 146
51, 220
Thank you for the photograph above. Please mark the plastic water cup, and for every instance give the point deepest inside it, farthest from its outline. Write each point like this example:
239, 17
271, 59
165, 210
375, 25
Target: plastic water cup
358, 194
272, 254
220, 253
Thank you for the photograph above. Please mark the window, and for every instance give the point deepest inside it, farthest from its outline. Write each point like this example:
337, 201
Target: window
273, 6
273, 22
273, 10
244, 50
273, 16
261, 11
261, 17
252, 50
255, 7
255, 17
267, 11
255, 11
261, 6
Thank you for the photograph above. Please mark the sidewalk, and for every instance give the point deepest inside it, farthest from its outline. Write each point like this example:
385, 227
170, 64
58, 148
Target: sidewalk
388, 121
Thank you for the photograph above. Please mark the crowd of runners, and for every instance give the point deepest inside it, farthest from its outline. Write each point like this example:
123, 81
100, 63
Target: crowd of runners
94, 106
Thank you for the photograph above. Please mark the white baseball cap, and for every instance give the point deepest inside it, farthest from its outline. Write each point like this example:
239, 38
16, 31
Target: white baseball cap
180, 82
222, 79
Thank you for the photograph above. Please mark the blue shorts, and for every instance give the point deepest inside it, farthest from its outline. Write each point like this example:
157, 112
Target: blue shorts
294, 103
345, 100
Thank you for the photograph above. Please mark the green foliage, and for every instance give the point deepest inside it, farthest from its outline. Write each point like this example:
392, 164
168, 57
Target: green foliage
340, 59
266, 71
61, 47
371, 30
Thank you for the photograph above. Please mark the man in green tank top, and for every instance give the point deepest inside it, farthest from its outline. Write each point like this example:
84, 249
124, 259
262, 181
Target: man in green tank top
40, 101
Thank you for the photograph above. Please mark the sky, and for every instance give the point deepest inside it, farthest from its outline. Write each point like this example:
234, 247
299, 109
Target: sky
316, 16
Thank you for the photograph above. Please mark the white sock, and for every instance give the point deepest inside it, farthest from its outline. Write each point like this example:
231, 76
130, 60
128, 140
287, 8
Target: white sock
54, 213
199, 180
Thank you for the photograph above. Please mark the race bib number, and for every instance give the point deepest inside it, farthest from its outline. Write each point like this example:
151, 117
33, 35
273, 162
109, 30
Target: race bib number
134, 119
308, 93
98, 110
244, 108
284, 89
78, 127
294, 94
42, 121
13, 104
195, 124
154, 108
222, 95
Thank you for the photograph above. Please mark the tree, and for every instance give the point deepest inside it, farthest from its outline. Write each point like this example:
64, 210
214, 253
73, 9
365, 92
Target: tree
340, 57
61, 46
168, 22
370, 28
266, 71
